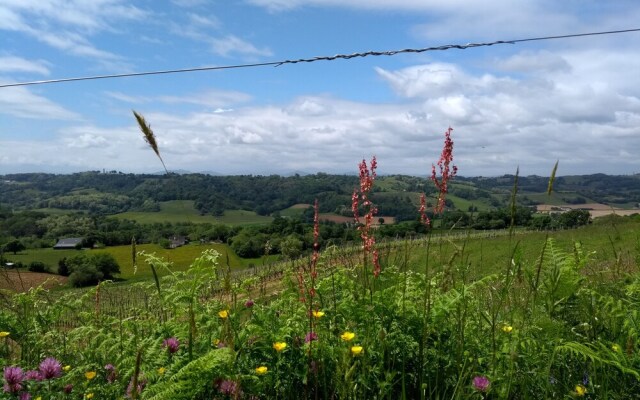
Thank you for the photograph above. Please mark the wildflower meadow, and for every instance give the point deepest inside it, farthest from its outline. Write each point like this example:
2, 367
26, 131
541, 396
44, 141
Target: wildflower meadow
403, 320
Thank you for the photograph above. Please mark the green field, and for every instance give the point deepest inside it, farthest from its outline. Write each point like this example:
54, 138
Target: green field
183, 211
180, 257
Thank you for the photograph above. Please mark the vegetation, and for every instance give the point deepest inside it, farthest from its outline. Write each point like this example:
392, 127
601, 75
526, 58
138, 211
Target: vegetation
428, 317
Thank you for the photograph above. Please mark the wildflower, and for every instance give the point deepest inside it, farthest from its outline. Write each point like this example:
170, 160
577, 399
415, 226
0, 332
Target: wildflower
585, 379
261, 370
215, 342
112, 373
223, 314
33, 376
162, 370
67, 389
228, 387
171, 344
279, 346
13, 377
4, 334
507, 328
90, 375
88, 396
66, 368
310, 337
249, 303
356, 350
580, 390
317, 314
481, 383
616, 348
446, 173
50, 368
25, 396
348, 336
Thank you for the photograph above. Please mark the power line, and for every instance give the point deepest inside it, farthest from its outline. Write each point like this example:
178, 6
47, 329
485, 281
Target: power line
321, 58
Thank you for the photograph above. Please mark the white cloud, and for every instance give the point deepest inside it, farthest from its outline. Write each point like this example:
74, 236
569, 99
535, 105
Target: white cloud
232, 44
21, 102
19, 64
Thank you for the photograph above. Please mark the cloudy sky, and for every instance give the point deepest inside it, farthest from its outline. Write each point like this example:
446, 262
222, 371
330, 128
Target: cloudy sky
521, 105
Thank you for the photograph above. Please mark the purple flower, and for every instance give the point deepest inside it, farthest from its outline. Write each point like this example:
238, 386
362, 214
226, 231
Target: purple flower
13, 377
33, 376
111, 377
67, 389
171, 344
481, 383
249, 303
311, 336
50, 368
221, 345
228, 387
25, 396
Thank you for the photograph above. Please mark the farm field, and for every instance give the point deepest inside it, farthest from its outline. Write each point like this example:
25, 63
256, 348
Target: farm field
176, 211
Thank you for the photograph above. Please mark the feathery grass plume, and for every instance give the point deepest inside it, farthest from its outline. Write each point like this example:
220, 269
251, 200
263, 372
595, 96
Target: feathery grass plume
512, 205
149, 137
552, 178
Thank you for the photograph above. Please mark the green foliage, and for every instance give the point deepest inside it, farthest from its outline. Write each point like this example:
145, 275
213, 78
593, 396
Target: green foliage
88, 269
535, 328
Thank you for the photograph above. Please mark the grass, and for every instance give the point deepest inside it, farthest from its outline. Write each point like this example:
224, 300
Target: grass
180, 257
183, 211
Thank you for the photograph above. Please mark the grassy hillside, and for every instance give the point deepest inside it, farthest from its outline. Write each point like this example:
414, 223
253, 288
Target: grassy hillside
184, 211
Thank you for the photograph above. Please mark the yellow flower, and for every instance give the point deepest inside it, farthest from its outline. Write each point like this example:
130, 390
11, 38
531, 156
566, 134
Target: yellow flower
348, 336
4, 334
162, 370
39, 398
279, 346
616, 348
216, 342
88, 396
223, 314
581, 390
317, 314
356, 350
261, 370
66, 368
90, 375
507, 328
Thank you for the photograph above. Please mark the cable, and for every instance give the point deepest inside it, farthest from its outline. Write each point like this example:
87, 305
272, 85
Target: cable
321, 58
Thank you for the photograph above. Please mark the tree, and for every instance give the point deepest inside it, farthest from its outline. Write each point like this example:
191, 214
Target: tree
14, 246
90, 269
291, 247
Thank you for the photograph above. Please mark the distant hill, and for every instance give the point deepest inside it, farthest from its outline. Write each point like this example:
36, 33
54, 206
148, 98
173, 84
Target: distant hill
396, 196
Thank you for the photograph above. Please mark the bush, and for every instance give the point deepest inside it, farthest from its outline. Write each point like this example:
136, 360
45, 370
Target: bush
37, 266
89, 269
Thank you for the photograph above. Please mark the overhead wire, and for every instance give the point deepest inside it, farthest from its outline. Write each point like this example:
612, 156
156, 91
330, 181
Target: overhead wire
315, 59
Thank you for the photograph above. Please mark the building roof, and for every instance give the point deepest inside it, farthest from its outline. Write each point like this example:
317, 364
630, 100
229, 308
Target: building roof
68, 243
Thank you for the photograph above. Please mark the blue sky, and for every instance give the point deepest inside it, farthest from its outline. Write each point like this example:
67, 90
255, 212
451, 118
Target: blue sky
524, 105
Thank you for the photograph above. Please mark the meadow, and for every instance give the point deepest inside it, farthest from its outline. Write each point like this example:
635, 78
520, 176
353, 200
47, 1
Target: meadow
180, 258
177, 211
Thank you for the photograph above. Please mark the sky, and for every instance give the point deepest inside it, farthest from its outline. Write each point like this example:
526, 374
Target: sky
511, 106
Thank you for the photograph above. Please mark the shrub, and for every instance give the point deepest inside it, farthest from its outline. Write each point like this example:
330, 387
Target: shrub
37, 266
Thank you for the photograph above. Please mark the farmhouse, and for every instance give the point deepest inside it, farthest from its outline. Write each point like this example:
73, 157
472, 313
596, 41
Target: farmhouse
68, 243
178, 241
